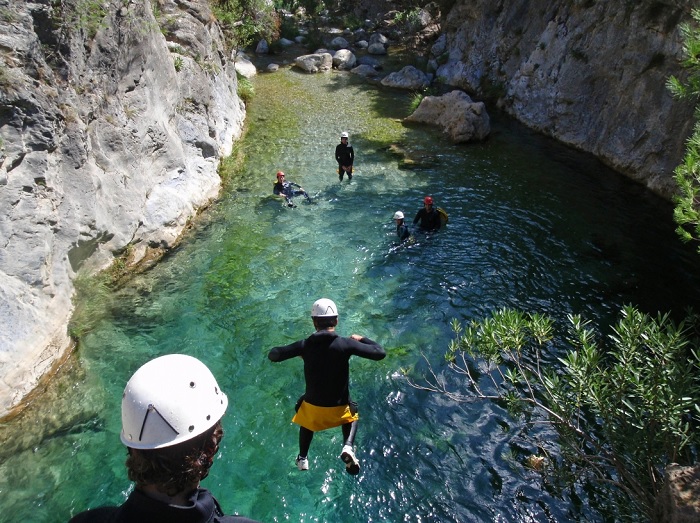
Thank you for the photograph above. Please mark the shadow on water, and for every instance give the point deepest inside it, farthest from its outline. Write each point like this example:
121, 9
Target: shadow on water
533, 225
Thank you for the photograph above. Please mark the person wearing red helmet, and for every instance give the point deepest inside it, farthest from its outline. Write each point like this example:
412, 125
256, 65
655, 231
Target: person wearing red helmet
286, 190
428, 218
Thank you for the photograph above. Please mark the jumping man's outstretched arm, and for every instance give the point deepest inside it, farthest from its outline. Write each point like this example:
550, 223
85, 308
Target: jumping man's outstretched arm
367, 348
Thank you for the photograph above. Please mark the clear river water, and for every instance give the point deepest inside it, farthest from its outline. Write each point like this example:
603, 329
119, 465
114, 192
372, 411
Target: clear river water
532, 225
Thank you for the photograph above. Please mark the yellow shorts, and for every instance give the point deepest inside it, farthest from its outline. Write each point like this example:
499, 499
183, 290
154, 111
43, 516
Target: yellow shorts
321, 418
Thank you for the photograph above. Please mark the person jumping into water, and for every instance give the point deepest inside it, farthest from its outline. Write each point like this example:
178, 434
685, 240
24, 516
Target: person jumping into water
286, 190
326, 402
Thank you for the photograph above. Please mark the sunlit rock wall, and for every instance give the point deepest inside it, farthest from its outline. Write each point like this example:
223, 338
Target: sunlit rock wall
590, 73
112, 125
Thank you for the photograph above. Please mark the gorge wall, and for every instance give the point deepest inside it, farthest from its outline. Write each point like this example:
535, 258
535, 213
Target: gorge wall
113, 119
589, 73
114, 116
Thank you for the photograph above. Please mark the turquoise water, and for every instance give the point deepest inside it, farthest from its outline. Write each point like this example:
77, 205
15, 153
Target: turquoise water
532, 225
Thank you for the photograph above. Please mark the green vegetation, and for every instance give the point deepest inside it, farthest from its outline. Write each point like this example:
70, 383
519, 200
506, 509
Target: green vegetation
288, 28
82, 15
622, 410
244, 21
5, 79
409, 20
91, 299
687, 174
232, 167
89, 16
416, 99
178, 63
245, 91
6, 15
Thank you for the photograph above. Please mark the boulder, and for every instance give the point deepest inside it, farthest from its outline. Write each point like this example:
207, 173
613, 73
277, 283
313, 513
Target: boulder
679, 498
314, 63
369, 60
344, 60
244, 66
365, 70
378, 38
339, 43
376, 48
407, 78
262, 47
462, 119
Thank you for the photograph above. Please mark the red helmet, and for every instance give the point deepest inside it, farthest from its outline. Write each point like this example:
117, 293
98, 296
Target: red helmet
428, 200
279, 174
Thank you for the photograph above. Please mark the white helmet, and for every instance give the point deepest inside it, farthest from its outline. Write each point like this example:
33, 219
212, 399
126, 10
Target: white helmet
344, 135
324, 308
169, 400
398, 215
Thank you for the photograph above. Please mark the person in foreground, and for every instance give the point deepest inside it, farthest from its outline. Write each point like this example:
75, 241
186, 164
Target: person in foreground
428, 218
171, 425
402, 230
345, 156
287, 190
326, 402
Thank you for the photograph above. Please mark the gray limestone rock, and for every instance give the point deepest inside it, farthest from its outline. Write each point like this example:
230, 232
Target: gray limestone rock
407, 78
344, 59
461, 119
113, 141
315, 63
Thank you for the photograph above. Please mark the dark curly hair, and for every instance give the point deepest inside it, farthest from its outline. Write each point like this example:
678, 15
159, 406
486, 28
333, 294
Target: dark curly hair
176, 468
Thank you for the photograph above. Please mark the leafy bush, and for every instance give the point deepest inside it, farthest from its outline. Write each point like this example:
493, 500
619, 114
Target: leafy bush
687, 174
622, 411
408, 21
244, 21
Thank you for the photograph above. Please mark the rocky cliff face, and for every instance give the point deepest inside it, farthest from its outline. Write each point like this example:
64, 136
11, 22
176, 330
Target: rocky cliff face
589, 73
113, 118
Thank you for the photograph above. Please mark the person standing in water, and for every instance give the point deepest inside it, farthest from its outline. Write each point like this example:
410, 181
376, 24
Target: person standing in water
345, 156
402, 230
428, 218
326, 402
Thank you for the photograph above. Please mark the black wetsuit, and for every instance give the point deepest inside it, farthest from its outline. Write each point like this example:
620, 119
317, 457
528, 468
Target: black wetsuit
429, 220
326, 358
140, 508
287, 189
344, 155
403, 232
